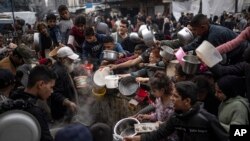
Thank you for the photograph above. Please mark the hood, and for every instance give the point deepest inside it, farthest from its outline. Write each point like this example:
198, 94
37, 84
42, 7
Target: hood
238, 98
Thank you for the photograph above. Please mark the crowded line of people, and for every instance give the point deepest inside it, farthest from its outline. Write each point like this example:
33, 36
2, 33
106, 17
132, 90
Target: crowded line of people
199, 106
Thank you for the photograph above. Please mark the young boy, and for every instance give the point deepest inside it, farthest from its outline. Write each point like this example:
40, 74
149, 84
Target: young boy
45, 41
65, 23
53, 29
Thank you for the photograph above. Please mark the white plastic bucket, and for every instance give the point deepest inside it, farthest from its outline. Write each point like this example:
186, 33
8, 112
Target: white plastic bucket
208, 54
111, 81
179, 55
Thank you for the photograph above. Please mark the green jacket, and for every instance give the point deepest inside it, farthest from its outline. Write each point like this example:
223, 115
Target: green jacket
234, 111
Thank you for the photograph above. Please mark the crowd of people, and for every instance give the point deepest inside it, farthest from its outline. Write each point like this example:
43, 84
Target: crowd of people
199, 106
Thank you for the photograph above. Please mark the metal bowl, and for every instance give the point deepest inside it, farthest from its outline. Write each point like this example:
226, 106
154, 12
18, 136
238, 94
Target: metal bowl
191, 64
110, 55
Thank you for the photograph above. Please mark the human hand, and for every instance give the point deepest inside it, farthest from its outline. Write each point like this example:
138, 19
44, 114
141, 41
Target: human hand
70, 105
113, 66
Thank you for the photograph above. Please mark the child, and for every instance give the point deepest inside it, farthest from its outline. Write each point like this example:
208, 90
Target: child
54, 30
45, 41
65, 24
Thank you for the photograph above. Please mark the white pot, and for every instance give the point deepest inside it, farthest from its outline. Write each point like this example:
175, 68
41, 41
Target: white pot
111, 81
208, 54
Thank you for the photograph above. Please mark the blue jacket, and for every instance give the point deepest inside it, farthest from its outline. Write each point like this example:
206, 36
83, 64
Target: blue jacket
93, 50
55, 35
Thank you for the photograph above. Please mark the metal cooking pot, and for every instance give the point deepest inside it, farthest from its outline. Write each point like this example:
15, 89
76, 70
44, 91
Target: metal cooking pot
167, 53
128, 86
191, 64
16, 125
185, 35
125, 127
148, 37
141, 28
110, 55
36, 43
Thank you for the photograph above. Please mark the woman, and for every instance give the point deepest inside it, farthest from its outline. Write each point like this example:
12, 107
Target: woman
234, 109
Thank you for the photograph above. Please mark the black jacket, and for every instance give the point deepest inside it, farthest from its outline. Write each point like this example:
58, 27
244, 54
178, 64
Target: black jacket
36, 111
194, 125
63, 89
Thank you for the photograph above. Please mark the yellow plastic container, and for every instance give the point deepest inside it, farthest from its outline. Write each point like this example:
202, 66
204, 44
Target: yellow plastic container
99, 92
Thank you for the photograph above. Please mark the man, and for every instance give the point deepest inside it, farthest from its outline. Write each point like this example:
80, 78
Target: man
64, 95
40, 86
216, 35
122, 32
190, 121
19, 56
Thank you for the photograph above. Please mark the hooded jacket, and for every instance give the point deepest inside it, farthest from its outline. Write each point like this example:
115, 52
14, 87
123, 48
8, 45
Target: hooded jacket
37, 112
194, 125
234, 111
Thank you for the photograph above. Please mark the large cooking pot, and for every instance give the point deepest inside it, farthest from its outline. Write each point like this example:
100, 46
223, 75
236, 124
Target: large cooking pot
185, 35
18, 125
167, 53
110, 55
125, 127
191, 64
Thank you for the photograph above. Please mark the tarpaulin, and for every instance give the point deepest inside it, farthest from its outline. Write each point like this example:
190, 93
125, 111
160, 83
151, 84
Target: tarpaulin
191, 6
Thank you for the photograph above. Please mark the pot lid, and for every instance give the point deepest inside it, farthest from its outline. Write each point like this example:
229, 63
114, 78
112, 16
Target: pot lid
18, 125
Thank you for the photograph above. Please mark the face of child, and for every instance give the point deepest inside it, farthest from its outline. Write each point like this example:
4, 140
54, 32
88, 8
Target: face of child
43, 29
80, 27
65, 14
109, 46
51, 23
90, 39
